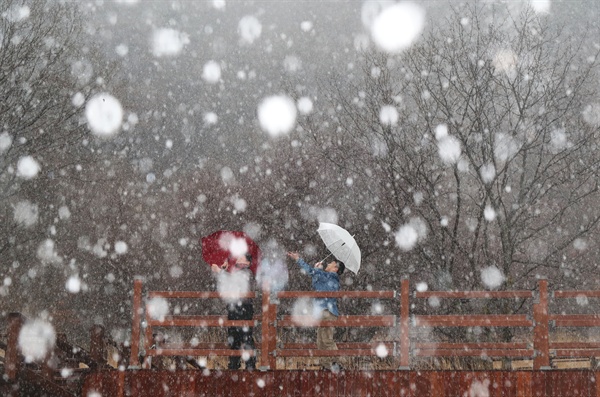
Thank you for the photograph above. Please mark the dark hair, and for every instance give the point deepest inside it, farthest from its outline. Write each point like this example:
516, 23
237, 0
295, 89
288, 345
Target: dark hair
341, 267
248, 257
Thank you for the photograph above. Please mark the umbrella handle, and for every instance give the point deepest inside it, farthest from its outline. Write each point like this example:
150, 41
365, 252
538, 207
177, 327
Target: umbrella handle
325, 257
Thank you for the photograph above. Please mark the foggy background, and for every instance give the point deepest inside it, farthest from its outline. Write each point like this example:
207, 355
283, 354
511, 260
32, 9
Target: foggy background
191, 157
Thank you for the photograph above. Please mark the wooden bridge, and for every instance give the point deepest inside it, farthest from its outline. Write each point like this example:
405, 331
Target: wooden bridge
393, 366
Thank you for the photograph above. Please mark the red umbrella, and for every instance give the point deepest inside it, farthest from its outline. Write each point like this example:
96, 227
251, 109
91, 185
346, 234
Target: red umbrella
228, 245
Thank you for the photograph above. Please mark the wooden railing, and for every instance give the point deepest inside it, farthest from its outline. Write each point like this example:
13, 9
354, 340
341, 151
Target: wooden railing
59, 373
405, 347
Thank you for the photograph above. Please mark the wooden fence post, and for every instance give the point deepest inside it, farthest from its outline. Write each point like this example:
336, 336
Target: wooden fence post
268, 330
405, 324
135, 323
12, 359
272, 334
541, 345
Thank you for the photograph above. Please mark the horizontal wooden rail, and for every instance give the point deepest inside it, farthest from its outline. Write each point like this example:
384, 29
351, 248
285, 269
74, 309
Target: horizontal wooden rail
575, 345
342, 321
576, 294
575, 320
489, 349
199, 321
577, 353
477, 320
197, 352
474, 353
199, 295
326, 353
340, 345
337, 294
474, 345
473, 294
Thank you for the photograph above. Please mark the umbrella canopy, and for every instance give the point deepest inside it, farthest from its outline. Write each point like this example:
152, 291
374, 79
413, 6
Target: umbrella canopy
229, 245
341, 244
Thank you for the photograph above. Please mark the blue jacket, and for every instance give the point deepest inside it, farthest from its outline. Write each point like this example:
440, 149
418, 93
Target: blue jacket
323, 281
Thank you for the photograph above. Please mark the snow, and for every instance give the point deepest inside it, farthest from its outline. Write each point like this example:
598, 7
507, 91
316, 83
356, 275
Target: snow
591, 115
73, 284
235, 245
25, 213
249, 29
175, 271
558, 140
406, 237
381, 351
232, 285
66, 372
292, 63
479, 388
122, 50
219, 4
121, 247
211, 118
277, 114
305, 105
421, 286
47, 254
488, 173
398, 26
441, 131
304, 314
36, 339
505, 147
449, 149
104, 115
78, 99
489, 213
540, 6
505, 61
492, 277
167, 42
158, 308
582, 300
17, 13
388, 115
227, 175
28, 167
434, 301
306, 26
5, 142
211, 73
580, 244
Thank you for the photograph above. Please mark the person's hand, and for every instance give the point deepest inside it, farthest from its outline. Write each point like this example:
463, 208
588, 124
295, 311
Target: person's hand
294, 255
319, 265
215, 268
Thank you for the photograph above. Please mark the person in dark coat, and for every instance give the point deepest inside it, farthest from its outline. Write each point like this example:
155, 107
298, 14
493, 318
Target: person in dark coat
240, 309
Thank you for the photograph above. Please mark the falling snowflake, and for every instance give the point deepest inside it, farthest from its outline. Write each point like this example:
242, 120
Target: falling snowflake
104, 114
398, 26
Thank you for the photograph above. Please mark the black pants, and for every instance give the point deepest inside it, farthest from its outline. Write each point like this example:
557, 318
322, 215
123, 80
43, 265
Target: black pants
240, 337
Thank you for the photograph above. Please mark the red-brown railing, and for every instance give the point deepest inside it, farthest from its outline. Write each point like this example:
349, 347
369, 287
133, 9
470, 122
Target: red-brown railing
406, 345
60, 372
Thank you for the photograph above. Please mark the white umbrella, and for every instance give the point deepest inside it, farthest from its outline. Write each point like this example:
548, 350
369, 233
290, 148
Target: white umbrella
341, 244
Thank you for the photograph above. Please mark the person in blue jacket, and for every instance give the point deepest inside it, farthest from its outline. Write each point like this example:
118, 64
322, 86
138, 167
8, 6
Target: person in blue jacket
325, 277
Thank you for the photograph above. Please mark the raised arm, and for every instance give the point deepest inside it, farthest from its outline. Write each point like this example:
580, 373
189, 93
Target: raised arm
305, 266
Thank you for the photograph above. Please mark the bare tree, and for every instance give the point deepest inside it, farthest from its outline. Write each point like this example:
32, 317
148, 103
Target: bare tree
475, 141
